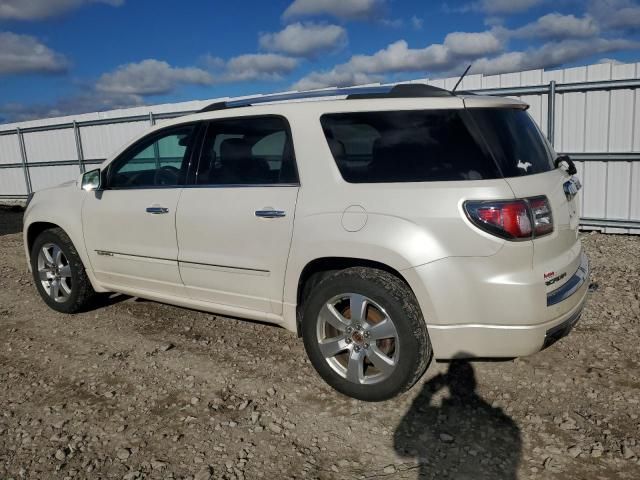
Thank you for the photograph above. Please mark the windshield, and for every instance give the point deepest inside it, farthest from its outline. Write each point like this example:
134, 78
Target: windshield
514, 139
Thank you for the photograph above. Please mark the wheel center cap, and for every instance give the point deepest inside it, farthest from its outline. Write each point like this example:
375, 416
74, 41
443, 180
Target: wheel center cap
357, 337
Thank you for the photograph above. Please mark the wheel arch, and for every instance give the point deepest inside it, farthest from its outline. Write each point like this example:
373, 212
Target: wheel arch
319, 268
34, 230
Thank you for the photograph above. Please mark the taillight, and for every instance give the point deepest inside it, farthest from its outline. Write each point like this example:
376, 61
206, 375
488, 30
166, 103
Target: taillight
512, 219
541, 214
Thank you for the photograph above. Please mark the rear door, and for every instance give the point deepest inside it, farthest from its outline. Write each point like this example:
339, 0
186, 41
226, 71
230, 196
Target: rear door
526, 161
235, 219
129, 225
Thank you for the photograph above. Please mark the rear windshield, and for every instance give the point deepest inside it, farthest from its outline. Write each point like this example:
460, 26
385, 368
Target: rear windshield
406, 146
514, 139
435, 145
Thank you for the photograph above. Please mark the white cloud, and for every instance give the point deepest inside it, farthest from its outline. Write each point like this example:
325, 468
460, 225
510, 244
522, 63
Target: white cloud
258, 66
343, 9
557, 26
612, 61
150, 77
616, 14
471, 44
305, 40
335, 78
481, 49
498, 7
549, 55
397, 57
90, 101
392, 22
417, 22
26, 54
39, 9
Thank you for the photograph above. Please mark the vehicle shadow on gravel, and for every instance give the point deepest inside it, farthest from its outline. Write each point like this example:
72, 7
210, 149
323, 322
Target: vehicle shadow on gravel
464, 437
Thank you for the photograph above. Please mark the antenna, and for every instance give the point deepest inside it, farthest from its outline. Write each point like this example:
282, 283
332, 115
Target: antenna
460, 79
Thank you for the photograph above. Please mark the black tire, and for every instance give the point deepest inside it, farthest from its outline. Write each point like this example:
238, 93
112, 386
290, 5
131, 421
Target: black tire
82, 294
397, 299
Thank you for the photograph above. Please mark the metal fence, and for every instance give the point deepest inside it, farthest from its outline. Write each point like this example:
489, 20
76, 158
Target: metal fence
576, 115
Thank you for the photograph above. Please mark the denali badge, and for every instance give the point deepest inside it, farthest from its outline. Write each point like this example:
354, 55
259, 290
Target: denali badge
555, 279
571, 187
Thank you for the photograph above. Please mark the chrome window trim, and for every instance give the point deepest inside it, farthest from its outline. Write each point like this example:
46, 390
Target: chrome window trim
217, 185
572, 285
242, 185
108, 253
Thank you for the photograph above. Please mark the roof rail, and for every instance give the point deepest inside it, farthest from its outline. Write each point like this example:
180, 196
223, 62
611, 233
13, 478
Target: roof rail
406, 90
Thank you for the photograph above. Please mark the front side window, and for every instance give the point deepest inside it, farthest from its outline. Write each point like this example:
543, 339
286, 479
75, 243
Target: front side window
406, 146
247, 151
160, 160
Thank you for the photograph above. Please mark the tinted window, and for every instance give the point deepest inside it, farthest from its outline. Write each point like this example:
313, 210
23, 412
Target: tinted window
514, 139
156, 161
407, 146
247, 151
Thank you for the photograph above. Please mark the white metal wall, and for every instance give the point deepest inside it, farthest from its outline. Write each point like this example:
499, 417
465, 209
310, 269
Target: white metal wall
600, 123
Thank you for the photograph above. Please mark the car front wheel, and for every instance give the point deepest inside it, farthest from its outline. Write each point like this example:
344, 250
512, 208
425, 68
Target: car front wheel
59, 274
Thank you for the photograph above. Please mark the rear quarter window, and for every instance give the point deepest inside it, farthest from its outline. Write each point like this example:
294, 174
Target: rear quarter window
407, 146
514, 139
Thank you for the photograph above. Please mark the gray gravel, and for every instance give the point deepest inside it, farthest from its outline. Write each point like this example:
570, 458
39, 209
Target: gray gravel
136, 389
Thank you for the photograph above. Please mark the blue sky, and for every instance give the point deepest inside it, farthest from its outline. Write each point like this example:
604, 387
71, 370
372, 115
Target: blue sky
71, 56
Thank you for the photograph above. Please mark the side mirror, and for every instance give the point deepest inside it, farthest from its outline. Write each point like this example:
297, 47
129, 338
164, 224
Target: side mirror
565, 162
91, 180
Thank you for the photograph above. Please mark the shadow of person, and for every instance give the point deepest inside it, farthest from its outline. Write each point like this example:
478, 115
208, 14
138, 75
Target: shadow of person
464, 437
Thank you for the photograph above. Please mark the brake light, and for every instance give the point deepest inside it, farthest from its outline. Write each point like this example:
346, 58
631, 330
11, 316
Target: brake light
521, 219
541, 214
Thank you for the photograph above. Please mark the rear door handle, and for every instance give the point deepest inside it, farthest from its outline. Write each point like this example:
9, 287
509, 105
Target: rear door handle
157, 210
270, 213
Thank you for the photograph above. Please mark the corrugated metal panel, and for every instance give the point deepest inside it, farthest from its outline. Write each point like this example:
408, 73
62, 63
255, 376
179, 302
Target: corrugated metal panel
9, 149
100, 141
50, 146
12, 182
44, 177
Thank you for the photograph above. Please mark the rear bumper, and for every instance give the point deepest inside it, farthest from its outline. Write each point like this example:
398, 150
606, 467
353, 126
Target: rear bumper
511, 319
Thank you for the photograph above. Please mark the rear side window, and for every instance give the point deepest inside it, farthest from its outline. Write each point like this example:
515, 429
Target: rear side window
514, 139
407, 146
247, 151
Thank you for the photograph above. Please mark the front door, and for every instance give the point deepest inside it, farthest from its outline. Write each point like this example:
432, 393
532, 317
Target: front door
235, 221
129, 225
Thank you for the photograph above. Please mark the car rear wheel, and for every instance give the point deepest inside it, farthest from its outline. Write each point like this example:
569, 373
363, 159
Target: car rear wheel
365, 335
59, 274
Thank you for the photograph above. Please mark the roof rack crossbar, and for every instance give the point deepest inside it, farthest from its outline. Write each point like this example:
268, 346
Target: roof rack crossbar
376, 91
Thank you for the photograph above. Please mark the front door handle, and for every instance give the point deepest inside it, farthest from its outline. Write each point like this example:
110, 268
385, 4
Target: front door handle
157, 210
270, 213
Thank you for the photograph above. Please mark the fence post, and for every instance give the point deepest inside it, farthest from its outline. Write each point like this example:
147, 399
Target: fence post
551, 112
23, 156
76, 132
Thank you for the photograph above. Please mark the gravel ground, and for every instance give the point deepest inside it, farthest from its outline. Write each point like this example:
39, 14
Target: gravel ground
136, 389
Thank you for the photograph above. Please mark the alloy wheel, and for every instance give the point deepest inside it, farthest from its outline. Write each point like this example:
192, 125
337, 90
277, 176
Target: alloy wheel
54, 272
358, 339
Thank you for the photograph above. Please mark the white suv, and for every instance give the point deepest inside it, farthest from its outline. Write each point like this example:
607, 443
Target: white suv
385, 225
